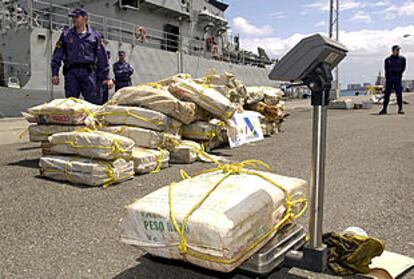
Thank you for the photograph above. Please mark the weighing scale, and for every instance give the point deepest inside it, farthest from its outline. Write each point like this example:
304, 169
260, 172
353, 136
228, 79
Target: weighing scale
310, 63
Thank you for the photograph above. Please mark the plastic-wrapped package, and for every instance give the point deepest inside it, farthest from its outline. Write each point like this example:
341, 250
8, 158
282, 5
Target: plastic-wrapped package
42, 132
138, 117
86, 171
92, 144
144, 137
149, 160
232, 222
204, 96
70, 111
155, 97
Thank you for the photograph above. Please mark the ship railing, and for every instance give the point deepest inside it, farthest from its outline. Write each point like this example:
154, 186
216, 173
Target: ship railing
45, 14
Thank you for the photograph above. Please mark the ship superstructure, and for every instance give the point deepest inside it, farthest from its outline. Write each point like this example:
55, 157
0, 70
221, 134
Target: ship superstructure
161, 38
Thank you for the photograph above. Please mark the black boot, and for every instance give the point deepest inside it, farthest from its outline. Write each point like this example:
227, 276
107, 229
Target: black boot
400, 111
382, 112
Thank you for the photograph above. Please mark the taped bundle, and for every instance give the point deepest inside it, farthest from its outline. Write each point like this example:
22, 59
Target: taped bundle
85, 171
155, 97
204, 96
149, 160
91, 144
69, 111
143, 137
216, 219
138, 117
43, 132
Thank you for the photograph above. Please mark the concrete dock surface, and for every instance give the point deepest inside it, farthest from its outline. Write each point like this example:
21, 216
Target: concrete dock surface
56, 230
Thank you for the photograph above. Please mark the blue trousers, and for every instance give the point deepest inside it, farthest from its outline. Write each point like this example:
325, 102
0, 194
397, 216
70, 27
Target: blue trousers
393, 84
121, 84
80, 81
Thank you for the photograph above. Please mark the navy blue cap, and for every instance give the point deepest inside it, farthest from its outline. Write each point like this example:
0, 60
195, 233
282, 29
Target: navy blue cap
78, 12
121, 52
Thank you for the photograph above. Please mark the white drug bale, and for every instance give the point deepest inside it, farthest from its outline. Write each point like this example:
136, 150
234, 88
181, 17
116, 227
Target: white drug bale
233, 221
43, 132
156, 97
91, 144
138, 117
144, 137
70, 111
204, 96
149, 160
85, 171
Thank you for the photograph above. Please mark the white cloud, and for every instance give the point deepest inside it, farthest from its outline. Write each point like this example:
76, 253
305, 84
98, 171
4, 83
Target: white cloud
394, 11
323, 5
361, 16
243, 26
321, 23
279, 14
367, 50
380, 4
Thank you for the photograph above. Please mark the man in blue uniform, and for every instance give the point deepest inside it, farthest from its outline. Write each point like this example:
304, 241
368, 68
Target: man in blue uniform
104, 87
394, 68
122, 71
84, 58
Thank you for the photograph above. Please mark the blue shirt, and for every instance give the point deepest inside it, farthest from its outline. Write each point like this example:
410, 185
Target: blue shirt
395, 66
73, 48
122, 71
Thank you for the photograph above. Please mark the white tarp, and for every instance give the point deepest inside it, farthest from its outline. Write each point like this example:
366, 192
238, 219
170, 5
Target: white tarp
85, 171
92, 144
233, 217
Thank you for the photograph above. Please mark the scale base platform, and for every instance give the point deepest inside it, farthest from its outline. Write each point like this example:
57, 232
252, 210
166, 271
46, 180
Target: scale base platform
272, 255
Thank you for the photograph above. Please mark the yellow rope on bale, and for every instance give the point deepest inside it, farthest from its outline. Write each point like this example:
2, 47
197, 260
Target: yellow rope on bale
115, 147
228, 170
159, 159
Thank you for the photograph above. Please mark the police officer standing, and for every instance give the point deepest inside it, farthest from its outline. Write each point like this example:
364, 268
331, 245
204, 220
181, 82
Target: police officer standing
84, 58
394, 69
122, 71
105, 88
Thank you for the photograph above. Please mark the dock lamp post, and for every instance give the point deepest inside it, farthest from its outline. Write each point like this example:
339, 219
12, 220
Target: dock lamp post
311, 62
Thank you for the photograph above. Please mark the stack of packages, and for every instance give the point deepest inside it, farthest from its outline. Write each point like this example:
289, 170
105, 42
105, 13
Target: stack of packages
75, 153
215, 227
213, 108
267, 101
152, 117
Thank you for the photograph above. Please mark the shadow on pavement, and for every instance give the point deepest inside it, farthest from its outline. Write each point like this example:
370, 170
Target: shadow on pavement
154, 268
26, 163
29, 148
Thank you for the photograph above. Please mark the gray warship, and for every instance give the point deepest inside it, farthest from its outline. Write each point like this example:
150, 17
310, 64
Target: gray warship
161, 38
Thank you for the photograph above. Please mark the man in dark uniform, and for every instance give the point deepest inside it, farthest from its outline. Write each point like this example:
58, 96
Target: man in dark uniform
84, 58
122, 71
105, 87
394, 68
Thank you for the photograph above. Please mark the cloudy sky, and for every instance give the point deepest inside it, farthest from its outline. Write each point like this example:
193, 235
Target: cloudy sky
368, 28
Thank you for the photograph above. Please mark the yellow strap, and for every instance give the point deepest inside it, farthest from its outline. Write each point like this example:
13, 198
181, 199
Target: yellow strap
228, 170
159, 159
210, 134
23, 132
155, 85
